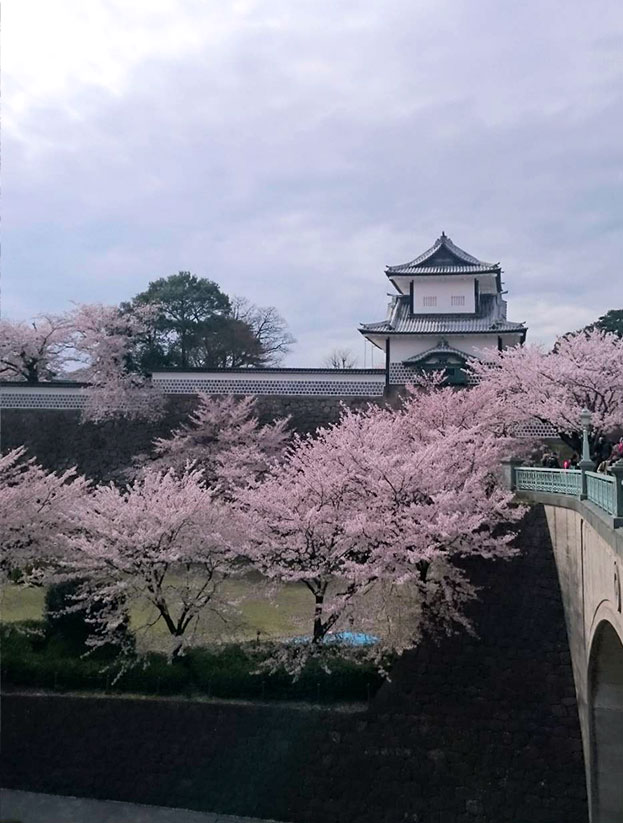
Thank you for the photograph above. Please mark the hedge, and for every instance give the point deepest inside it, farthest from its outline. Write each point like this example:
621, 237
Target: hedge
29, 660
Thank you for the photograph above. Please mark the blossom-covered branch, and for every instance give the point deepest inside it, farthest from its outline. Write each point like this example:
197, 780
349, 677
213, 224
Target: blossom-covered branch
35, 507
225, 438
385, 498
160, 543
584, 370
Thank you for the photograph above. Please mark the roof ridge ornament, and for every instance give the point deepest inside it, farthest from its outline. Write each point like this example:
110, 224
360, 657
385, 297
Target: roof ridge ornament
444, 257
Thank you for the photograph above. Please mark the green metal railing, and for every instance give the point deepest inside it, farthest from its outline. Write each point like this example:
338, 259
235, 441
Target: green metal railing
600, 490
552, 481
603, 490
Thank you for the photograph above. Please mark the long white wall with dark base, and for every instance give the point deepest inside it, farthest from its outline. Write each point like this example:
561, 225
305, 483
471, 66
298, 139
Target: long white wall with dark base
276, 382
42, 396
309, 382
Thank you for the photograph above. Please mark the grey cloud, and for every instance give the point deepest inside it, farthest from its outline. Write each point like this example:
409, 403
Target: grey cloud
317, 143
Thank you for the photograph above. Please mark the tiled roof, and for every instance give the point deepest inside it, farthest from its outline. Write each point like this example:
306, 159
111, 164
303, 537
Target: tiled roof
261, 370
420, 270
401, 321
443, 257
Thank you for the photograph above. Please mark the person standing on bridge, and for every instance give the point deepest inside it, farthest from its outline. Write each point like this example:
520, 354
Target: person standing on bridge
550, 460
603, 450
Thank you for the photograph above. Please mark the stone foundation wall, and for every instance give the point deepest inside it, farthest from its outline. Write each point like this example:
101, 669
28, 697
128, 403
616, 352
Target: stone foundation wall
58, 438
475, 729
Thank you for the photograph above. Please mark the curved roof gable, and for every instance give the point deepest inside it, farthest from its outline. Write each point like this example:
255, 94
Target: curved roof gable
442, 347
443, 257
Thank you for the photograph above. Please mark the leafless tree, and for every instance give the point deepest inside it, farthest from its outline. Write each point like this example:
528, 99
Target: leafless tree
341, 359
268, 326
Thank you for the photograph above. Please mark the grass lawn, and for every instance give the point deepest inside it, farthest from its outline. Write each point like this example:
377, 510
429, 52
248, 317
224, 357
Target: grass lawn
288, 615
19, 603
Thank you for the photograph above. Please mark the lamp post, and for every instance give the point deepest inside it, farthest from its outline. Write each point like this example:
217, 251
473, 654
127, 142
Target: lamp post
585, 464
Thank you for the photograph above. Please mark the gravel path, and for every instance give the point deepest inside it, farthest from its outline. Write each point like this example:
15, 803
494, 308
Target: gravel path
29, 807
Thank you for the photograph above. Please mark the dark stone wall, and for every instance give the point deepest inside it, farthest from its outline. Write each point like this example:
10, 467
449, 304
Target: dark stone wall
58, 439
481, 729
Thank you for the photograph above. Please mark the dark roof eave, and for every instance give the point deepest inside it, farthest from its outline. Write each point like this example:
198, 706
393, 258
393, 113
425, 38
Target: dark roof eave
48, 384
518, 330
391, 273
263, 370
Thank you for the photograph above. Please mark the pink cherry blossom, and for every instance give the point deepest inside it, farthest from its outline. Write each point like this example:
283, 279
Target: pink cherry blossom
90, 343
386, 501
33, 351
160, 542
584, 370
35, 509
102, 338
224, 436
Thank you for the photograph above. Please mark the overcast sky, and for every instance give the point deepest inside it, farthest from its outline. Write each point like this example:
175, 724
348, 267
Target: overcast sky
290, 149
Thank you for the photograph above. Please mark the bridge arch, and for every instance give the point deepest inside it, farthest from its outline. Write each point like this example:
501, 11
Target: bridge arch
606, 724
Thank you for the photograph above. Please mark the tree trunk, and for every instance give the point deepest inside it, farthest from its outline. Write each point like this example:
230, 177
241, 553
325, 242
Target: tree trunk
33, 373
176, 654
318, 624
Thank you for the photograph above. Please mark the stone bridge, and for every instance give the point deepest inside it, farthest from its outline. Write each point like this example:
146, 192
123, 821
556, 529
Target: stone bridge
584, 514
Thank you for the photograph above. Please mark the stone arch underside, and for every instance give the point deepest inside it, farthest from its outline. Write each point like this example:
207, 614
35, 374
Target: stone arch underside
606, 717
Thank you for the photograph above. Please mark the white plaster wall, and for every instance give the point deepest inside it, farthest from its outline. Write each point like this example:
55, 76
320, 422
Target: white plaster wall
23, 396
444, 288
488, 282
354, 383
407, 346
403, 347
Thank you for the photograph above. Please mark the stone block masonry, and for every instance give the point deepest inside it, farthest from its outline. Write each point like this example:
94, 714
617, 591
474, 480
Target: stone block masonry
58, 439
474, 729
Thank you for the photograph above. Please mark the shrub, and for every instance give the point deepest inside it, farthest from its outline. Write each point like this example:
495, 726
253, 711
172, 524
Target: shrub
155, 674
70, 629
30, 659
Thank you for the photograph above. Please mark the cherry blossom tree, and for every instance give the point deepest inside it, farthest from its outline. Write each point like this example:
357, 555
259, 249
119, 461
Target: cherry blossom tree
33, 351
160, 542
585, 370
90, 343
383, 500
102, 340
225, 438
35, 509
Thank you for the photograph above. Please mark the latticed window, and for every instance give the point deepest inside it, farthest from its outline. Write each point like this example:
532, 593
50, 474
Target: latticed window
457, 300
429, 301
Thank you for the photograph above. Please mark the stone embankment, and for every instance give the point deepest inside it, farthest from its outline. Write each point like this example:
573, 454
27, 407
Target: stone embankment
475, 729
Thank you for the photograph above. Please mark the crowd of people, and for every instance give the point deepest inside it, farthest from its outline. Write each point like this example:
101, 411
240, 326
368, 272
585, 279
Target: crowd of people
603, 456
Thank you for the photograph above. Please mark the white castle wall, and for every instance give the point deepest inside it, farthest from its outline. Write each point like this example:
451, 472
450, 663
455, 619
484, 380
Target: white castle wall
401, 348
280, 382
444, 290
312, 382
43, 396
360, 383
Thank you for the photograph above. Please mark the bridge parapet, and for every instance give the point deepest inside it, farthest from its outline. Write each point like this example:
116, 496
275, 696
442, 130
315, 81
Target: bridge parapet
602, 490
584, 511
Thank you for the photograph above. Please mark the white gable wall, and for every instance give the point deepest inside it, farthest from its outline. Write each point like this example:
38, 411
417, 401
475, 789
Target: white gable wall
442, 290
404, 346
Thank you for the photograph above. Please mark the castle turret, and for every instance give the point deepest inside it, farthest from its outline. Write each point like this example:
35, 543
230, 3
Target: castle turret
449, 306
